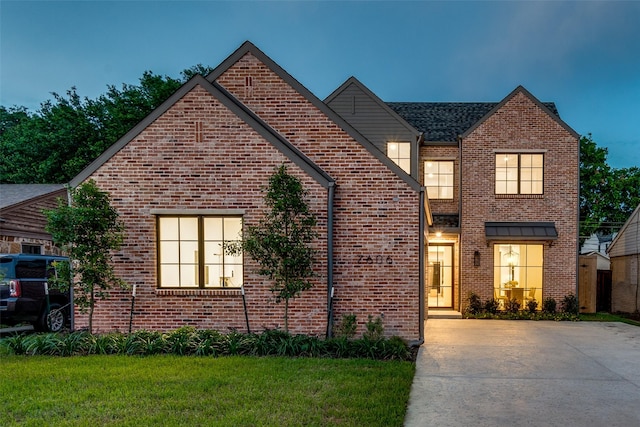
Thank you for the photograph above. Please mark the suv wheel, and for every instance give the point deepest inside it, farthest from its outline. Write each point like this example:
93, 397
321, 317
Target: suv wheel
55, 321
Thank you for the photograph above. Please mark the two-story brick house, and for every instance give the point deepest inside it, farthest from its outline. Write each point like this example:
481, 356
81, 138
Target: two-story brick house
188, 177
502, 184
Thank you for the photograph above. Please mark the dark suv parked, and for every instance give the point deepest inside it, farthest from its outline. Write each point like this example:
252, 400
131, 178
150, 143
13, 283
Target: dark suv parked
23, 278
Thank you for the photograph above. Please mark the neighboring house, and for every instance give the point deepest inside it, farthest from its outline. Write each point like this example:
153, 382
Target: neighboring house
22, 223
501, 221
502, 183
594, 282
624, 253
597, 243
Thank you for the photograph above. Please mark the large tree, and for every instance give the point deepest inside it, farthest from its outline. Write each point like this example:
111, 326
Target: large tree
68, 132
608, 196
281, 242
88, 230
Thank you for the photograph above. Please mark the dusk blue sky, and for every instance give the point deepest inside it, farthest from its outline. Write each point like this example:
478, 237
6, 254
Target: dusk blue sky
584, 56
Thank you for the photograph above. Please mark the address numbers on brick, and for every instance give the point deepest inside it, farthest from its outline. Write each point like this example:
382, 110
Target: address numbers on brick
377, 260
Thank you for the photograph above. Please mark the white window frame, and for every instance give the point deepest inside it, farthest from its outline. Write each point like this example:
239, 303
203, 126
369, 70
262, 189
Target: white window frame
400, 153
518, 178
444, 181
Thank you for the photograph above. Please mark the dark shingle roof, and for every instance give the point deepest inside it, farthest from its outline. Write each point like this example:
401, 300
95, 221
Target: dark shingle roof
444, 121
11, 194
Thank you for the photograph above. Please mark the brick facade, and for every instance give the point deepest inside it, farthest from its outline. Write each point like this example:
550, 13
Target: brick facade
470, 135
520, 125
213, 145
197, 155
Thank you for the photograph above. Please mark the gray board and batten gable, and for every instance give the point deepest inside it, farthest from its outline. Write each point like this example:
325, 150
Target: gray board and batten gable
373, 118
235, 106
249, 48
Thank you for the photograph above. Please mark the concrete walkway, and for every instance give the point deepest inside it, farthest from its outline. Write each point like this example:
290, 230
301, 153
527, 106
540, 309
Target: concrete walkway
526, 373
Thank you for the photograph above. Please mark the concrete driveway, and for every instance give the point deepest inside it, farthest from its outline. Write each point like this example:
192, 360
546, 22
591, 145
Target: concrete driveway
526, 373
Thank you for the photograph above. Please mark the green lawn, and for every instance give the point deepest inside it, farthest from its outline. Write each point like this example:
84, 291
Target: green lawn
199, 391
607, 317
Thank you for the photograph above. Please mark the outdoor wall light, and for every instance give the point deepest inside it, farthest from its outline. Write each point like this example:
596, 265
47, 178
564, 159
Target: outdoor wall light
476, 259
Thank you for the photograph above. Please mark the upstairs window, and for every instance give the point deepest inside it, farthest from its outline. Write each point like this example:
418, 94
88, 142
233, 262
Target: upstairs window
191, 252
438, 178
400, 153
519, 173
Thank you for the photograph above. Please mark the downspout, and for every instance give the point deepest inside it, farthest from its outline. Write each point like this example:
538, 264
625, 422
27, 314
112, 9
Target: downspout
577, 284
460, 223
330, 197
72, 317
421, 266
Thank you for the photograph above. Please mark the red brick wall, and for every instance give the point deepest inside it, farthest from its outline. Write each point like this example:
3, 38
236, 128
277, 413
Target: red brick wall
520, 124
376, 213
166, 168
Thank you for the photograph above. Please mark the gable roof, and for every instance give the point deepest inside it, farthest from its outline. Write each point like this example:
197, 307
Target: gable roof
352, 81
14, 194
249, 48
442, 121
235, 106
553, 113
627, 241
446, 121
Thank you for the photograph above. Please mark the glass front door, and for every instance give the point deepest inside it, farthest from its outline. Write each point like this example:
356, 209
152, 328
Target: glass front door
440, 276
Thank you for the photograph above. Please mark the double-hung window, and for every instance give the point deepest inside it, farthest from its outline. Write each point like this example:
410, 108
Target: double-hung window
519, 173
400, 153
191, 251
438, 178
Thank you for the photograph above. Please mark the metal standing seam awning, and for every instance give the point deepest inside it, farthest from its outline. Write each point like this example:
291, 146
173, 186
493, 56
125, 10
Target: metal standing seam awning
520, 231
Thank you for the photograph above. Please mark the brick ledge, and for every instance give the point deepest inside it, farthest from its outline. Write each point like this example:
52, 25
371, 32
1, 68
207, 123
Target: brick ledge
198, 292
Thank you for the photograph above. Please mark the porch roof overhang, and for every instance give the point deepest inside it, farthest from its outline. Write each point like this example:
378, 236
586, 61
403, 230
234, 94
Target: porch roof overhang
521, 231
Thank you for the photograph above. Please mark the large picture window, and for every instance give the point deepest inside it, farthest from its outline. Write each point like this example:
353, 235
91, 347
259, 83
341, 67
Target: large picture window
519, 173
438, 178
191, 252
518, 271
400, 153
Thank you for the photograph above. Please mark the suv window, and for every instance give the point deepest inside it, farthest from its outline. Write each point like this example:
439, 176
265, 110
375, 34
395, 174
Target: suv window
5, 267
31, 269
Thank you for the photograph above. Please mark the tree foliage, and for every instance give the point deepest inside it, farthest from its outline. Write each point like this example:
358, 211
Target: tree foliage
608, 196
281, 242
88, 230
68, 132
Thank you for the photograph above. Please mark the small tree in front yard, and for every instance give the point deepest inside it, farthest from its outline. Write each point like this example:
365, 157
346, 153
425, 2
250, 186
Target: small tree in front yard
281, 242
88, 230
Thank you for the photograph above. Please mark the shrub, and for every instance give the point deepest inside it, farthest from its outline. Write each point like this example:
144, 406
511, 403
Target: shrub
532, 306
375, 329
475, 303
181, 341
570, 304
188, 341
512, 306
347, 326
549, 305
491, 306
